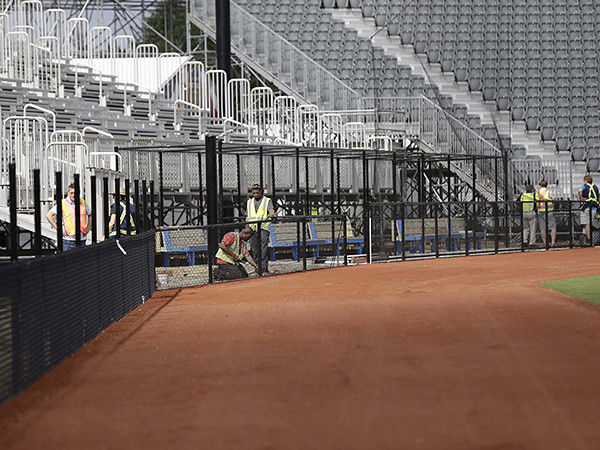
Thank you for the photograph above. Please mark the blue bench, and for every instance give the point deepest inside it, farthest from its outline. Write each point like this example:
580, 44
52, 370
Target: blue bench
453, 231
182, 240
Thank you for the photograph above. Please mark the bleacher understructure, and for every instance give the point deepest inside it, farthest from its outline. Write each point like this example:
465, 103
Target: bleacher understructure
441, 76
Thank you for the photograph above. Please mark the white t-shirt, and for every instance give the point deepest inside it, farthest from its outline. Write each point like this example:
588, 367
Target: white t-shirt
88, 212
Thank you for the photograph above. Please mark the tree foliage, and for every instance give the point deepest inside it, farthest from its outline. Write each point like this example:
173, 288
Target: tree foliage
168, 19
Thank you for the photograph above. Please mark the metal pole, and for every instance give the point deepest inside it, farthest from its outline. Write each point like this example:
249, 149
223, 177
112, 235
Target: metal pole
570, 224
59, 211
297, 209
14, 229
93, 194
37, 218
223, 28
220, 199
306, 200
152, 215
211, 194
77, 204
304, 243
136, 204
437, 240
259, 256
345, 231
274, 190
467, 238
338, 186
161, 186
496, 224
402, 219
546, 230
366, 228
118, 207
395, 202
127, 208
522, 230
239, 185
105, 206
200, 197
261, 167
144, 206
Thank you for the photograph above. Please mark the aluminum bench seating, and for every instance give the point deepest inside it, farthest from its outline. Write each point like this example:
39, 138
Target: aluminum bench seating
413, 234
320, 234
177, 241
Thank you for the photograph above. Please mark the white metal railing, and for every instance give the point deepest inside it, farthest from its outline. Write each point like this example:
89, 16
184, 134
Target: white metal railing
558, 172
289, 67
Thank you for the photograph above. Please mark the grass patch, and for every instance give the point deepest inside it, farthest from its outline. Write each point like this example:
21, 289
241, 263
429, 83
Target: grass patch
584, 288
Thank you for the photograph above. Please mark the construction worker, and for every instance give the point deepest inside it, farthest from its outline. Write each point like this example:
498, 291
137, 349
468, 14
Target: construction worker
545, 202
589, 195
260, 207
68, 219
232, 249
122, 216
528, 199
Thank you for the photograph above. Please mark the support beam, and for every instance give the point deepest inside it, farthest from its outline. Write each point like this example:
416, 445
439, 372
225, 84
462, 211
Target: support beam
223, 36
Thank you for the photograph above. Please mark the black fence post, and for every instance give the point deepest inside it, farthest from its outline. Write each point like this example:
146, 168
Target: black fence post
220, 198
338, 185
520, 206
200, 189
395, 201
239, 184
402, 220
14, 229
261, 166
144, 206
365, 183
570, 224
273, 189
306, 177
118, 207
211, 195
437, 240
152, 209
467, 237
37, 204
105, 206
77, 204
136, 203
259, 255
127, 208
590, 222
161, 187
345, 231
304, 243
547, 229
59, 211
94, 208
496, 225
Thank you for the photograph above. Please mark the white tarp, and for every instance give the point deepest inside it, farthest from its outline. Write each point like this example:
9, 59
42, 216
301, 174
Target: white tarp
148, 73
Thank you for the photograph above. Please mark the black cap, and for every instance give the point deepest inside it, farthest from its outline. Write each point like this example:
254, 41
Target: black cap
256, 186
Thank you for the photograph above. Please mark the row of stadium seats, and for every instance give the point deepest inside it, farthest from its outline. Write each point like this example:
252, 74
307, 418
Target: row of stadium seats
350, 57
538, 60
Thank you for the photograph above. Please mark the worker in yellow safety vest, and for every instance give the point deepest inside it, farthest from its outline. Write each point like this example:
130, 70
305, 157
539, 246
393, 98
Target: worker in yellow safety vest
232, 249
260, 207
589, 195
528, 200
545, 202
67, 205
122, 217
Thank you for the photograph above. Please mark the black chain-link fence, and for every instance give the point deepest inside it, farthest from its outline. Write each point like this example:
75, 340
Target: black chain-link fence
52, 306
417, 229
189, 255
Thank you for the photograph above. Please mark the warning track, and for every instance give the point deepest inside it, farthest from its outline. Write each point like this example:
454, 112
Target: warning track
452, 353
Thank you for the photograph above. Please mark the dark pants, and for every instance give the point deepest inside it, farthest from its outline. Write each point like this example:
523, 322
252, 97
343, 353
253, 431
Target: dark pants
224, 272
264, 249
70, 245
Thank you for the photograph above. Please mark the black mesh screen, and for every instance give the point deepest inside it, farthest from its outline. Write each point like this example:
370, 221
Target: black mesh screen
52, 306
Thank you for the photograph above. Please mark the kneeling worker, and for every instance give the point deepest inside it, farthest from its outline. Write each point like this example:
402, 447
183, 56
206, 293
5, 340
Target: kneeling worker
232, 249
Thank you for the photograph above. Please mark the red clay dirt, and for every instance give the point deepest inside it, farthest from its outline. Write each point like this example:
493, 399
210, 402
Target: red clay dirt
453, 353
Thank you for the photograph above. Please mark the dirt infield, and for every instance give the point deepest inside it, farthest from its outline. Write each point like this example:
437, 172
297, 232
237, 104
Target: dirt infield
453, 353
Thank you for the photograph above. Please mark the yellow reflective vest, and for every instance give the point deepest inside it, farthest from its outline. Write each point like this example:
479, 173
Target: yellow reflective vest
528, 199
123, 224
237, 248
258, 214
544, 196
